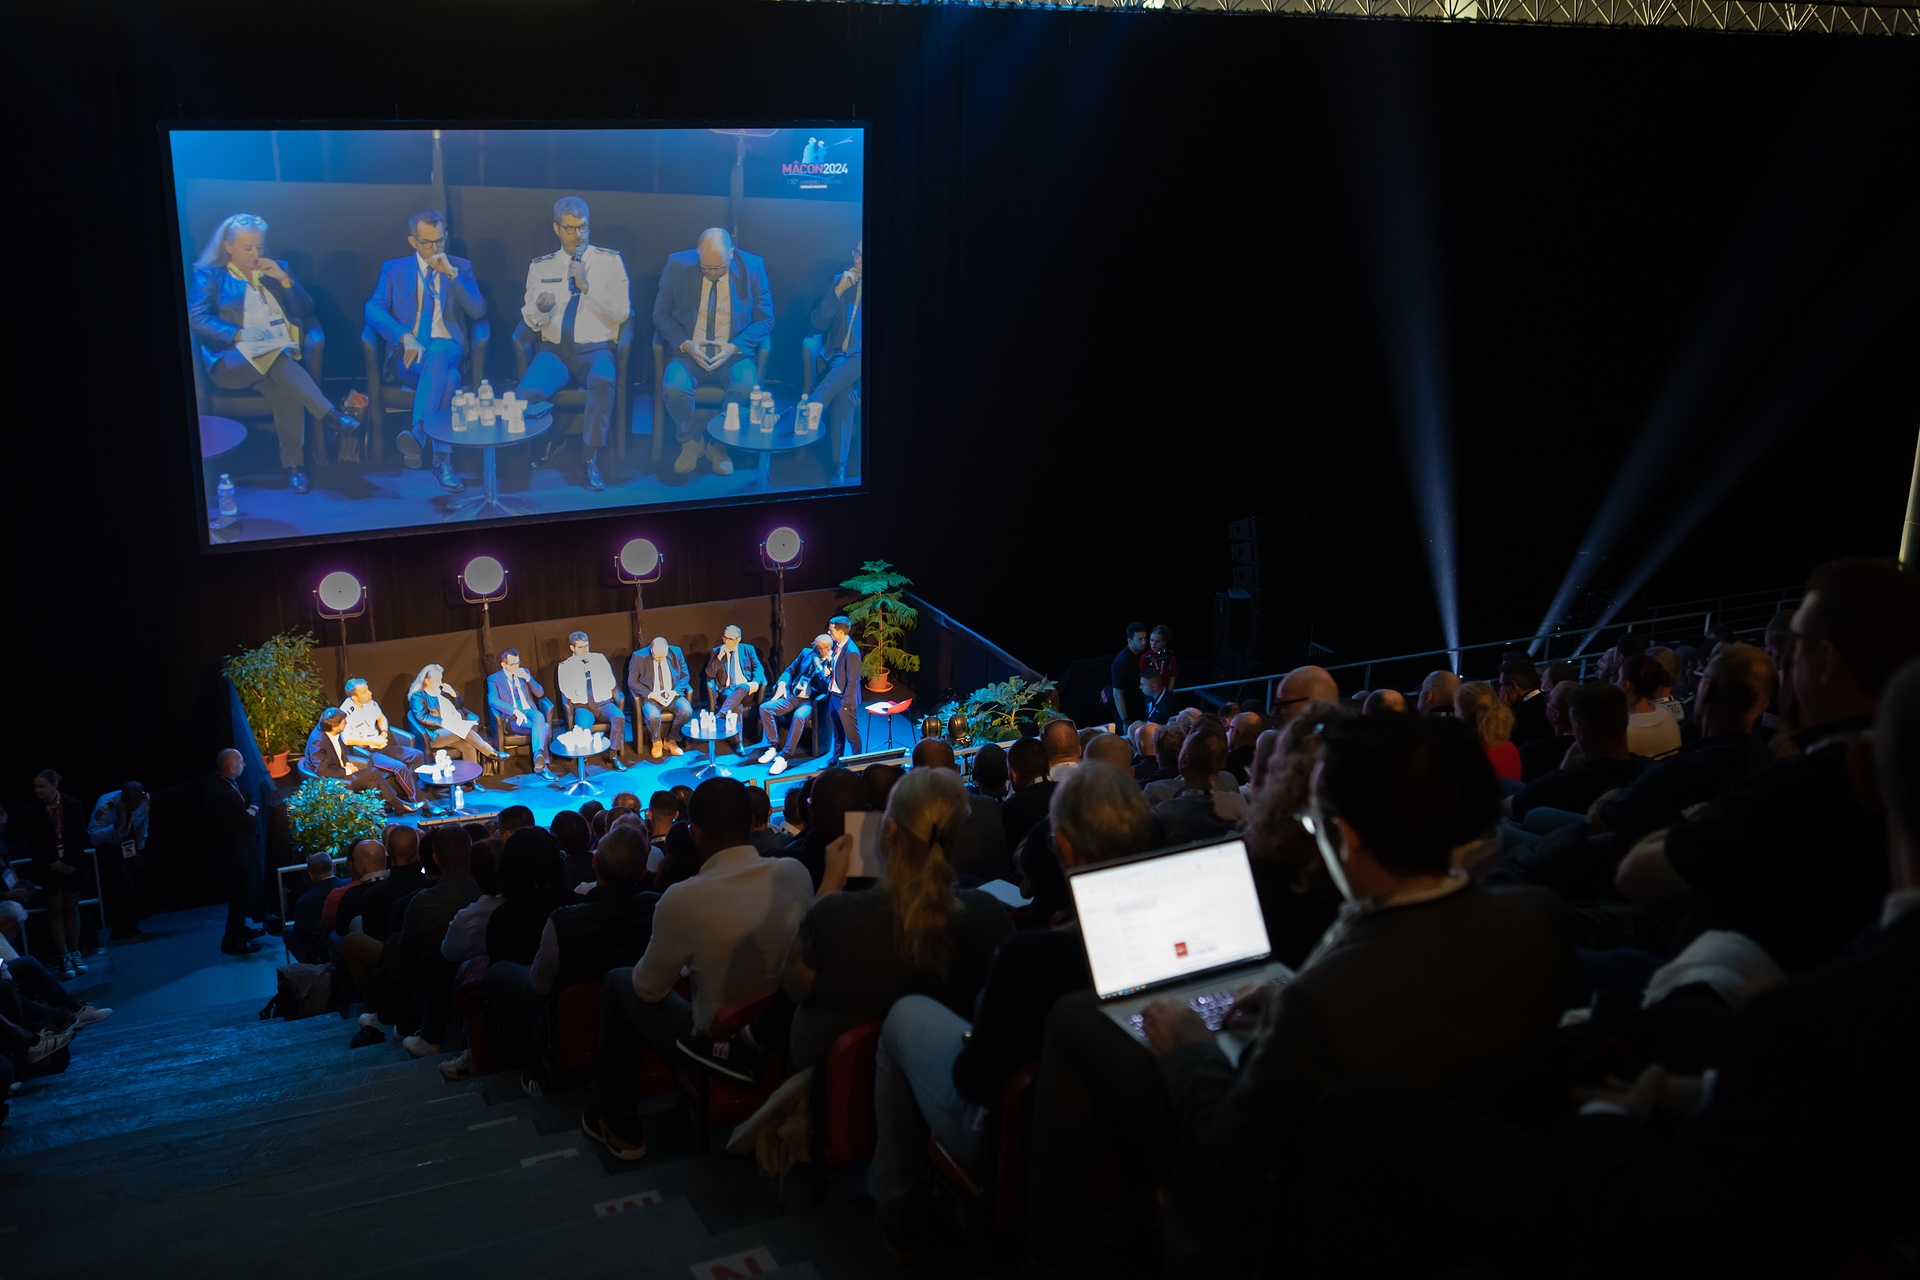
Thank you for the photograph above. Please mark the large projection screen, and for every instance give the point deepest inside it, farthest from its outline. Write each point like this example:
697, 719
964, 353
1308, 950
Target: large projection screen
337, 344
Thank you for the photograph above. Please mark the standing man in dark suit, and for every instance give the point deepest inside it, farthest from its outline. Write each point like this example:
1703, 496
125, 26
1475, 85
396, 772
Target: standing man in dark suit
234, 818
326, 757
843, 689
838, 318
659, 681
519, 705
576, 299
421, 306
735, 670
713, 313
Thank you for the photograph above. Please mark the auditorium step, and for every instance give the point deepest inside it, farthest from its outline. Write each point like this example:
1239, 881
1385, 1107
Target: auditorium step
211, 1143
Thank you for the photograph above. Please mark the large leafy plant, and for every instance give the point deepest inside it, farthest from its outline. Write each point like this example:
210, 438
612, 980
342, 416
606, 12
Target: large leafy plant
280, 690
881, 618
326, 814
1005, 711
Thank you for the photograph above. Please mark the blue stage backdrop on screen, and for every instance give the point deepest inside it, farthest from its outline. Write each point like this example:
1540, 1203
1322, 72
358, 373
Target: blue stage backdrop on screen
392, 330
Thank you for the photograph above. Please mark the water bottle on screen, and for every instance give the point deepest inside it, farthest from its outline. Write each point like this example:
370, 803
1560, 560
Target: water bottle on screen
803, 415
486, 395
229, 506
459, 801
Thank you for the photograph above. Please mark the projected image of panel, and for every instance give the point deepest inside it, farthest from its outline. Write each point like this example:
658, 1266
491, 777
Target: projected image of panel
396, 330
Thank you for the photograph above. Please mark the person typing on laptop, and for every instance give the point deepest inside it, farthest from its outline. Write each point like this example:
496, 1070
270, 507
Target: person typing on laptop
1425, 978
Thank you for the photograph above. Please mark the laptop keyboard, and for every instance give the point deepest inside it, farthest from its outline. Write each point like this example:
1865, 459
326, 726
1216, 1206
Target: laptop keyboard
1212, 1006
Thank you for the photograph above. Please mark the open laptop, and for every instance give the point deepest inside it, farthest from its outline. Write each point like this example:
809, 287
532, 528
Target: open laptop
1179, 924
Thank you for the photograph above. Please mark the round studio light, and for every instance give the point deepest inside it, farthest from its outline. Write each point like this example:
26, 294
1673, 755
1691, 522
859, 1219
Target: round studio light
484, 575
783, 545
340, 591
639, 557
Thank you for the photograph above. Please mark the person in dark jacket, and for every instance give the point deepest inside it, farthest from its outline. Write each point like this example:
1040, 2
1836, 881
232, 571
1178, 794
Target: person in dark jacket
55, 829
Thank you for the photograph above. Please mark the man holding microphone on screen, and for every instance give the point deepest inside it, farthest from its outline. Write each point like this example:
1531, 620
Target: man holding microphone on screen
576, 300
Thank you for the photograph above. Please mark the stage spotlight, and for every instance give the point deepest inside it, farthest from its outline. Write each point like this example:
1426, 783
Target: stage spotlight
639, 563
781, 550
483, 581
340, 596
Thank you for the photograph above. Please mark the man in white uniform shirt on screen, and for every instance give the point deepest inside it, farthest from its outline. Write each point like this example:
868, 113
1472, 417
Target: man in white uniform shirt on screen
576, 300
588, 689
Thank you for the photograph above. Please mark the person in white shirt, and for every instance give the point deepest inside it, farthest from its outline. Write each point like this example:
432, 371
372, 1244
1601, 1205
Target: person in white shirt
727, 929
714, 313
576, 300
589, 691
1651, 729
443, 716
369, 736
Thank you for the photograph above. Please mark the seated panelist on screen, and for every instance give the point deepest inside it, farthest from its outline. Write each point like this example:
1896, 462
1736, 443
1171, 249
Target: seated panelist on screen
713, 313
838, 320
576, 300
247, 312
589, 691
422, 307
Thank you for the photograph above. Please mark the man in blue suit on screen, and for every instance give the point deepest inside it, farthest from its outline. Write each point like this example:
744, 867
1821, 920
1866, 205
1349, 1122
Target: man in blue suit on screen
714, 312
422, 307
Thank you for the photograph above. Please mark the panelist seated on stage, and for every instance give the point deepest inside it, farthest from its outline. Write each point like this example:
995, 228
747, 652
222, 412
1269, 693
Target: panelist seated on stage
368, 734
576, 299
800, 692
520, 705
422, 306
247, 312
326, 757
660, 683
442, 715
713, 313
589, 692
734, 671
837, 319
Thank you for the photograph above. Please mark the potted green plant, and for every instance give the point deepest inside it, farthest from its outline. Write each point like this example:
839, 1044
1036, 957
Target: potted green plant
881, 619
325, 814
281, 693
1002, 712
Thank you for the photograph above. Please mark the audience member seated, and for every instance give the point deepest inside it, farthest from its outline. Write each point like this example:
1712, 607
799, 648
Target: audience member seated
364, 922
118, 832
1435, 981
989, 776
513, 818
1384, 701
1652, 731
1519, 687
726, 929
1298, 898
1200, 810
1477, 705
834, 793
763, 837
1243, 734
880, 780
1599, 718
1543, 755
426, 978
467, 934
1747, 863
1162, 790
1299, 687
530, 871
1436, 693
55, 831
308, 939
610, 929
575, 838
1032, 790
976, 846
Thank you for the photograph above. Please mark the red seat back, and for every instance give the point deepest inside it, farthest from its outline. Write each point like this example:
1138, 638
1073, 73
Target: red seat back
576, 1025
470, 1002
849, 1113
729, 1101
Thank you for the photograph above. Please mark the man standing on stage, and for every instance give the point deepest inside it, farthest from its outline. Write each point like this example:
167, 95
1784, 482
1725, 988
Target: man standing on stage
839, 319
422, 305
589, 692
234, 819
369, 738
714, 312
576, 300
735, 670
514, 697
843, 689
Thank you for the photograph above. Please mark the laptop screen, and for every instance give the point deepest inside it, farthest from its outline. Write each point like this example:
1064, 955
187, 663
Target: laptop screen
1158, 920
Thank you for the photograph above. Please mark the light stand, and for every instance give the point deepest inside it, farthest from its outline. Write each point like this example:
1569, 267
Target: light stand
786, 549
338, 597
483, 582
639, 563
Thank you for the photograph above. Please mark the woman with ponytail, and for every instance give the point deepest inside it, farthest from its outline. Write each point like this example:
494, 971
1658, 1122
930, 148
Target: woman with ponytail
912, 933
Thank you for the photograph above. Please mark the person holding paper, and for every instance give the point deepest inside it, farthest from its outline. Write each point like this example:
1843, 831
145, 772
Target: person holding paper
118, 830
437, 708
421, 306
838, 319
589, 692
714, 312
660, 683
735, 670
519, 705
576, 300
801, 688
247, 312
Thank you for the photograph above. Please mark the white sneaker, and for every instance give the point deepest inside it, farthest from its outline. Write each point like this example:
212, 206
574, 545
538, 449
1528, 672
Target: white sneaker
371, 1020
420, 1048
460, 1068
768, 756
86, 1015
779, 765
48, 1044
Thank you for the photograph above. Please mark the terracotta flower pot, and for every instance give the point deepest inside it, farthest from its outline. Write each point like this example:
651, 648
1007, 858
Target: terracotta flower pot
277, 766
880, 681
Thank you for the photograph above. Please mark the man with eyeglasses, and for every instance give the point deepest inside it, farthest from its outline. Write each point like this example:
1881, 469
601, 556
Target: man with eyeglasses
421, 306
1300, 687
576, 300
714, 312
839, 319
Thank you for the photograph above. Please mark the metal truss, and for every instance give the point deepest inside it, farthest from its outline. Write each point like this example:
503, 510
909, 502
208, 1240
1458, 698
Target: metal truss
1698, 15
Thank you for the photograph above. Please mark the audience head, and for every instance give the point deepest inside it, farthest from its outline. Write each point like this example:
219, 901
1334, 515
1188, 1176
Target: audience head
683, 797
1518, 678
1110, 748
1061, 740
514, 817
529, 863
1436, 693
229, 764
366, 857
627, 800
1273, 832
486, 865
1560, 706
1137, 636
621, 859
721, 815
794, 806
680, 858
403, 846
1228, 710
1403, 792
1027, 762
1384, 701
1266, 751
1088, 735
662, 808
1202, 755
1245, 729
1099, 814
590, 808
1859, 623
1166, 749
453, 850
571, 832
1144, 734
320, 866
1739, 683
1640, 677
990, 770
476, 831
598, 825
1560, 673
1598, 718
835, 793
762, 805
880, 780
923, 811
1478, 705
1301, 686
934, 753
